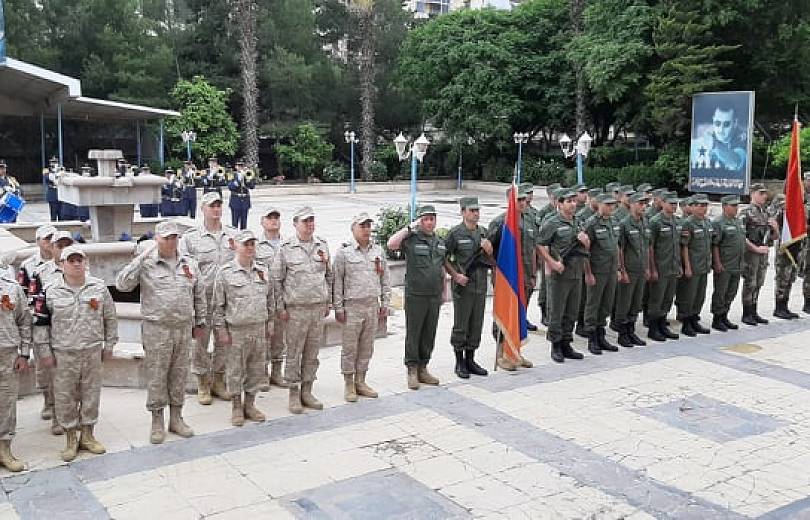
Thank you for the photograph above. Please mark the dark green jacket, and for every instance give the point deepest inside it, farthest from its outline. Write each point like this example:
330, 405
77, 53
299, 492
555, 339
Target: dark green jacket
424, 264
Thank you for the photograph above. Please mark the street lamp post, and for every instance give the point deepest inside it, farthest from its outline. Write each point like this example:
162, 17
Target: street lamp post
520, 139
581, 149
351, 139
470, 141
188, 138
417, 152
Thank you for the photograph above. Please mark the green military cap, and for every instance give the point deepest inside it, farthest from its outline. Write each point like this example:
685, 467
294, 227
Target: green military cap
758, 186
427, 209
595, 192
659, 192
565, 193
644, 186
469, 203
527, 187
551, 188
606, 198
520, 193
731, 200
627, 190
639, 196
580, 187
700, 198
671, 198
687, 201
612, 186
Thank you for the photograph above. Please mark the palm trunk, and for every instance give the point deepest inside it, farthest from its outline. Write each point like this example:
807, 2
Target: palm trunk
577, 6
245, 15
368, 89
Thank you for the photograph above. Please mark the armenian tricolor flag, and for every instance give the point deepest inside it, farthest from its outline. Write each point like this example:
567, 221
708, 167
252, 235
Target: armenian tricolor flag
794, 224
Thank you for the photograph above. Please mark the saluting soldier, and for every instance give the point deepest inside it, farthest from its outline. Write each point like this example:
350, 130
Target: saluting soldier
174, 309
760, 231
244, 304
77, 331
15, 349
634, 270
361, 295
267, 246
469, 256
666, 268
601, 273
424, 283
303, 277
728, 248
242, 181
786, 270
696, 255
564, 248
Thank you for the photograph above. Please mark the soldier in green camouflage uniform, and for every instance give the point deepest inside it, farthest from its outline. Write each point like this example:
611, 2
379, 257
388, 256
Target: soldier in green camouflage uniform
665, 236
696, 255
542, 288
760, 231
532, 216
623, 205
805, 264
785, 270
728, 247
582, 216
634, 270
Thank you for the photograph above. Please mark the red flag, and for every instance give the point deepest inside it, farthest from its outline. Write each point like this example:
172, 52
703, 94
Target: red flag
794, 223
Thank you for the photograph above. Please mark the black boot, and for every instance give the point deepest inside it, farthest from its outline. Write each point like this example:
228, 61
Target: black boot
700, 329
757, 317
728, 324
748, 315
531, 327
569, 352
624, 336
654, 332
806, 308
461, 365
580, 330
793, 315
686, 327
593, 344
472, 366
631, 333
616, 327
664, 329
604, 344
645, 320
556, 352
718, 324
543, 315
781, 311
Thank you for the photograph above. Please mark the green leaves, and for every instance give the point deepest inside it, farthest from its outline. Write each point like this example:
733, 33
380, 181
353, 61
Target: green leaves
307, 152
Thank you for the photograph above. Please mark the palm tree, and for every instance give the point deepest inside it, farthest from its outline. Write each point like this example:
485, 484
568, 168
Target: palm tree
244, 13
363, 10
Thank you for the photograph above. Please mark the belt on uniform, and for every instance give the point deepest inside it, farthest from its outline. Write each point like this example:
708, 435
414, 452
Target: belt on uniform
373, 300
305, 305
241, 194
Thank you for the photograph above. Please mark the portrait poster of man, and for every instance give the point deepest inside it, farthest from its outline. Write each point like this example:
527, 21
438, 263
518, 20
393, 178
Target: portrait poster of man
720, 153
2, 34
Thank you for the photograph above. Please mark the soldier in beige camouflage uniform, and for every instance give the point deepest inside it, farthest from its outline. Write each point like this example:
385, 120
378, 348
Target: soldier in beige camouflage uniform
78, 333
173, 307
303, 290
15, 347
266, 248
362, 291
243, 308
209, 245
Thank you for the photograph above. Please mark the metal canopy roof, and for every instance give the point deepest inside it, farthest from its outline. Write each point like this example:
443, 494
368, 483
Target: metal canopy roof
28, 90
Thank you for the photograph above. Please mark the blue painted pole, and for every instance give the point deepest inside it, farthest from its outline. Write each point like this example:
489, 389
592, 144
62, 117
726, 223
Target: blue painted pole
351, 183
413, 186
460, 159
59, 126
188, 150
520, 160
42, 139
580, 174
160, 144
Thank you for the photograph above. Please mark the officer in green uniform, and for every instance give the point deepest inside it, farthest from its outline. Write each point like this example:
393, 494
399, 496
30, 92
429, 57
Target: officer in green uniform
760, 232
469, 256
644, 188
696, 255
530, 214
634, 270
528, 243
582, 197
728, 247
564, 248
623, 206
582, 216
666, 268
542, 213
424, 281
601, 273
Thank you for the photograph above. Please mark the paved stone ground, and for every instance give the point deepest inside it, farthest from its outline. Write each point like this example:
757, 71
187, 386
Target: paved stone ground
715, 427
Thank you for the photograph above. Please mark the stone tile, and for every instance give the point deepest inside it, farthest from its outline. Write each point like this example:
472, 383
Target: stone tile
484, 495
284, 479
265, 509
441, 471
7, 512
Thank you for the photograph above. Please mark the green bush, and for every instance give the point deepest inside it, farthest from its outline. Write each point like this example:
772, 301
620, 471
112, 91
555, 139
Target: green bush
335, 172
498, 170
674, 162
379, 172
544, 172
390, 220
635, 174
620, 156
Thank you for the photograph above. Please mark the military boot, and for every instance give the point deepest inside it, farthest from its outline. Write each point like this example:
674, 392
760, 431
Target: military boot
631, 333
361, 387
71, 446
556, 352
349, 390
663, 327
531, 327
204, 389
781, 310
307, 399
544, 314
505, 364
89, 443
276, 378
218, 387
717, 323
7, 458
237, 411
413, 377
593, 344
604, 344
580, 330
47, 412
157, 434
461, 365
624, 336
686, 327
728, 324
264, 386
295, 400
748, 315
757, 317
426, 377
56, 428
251, 412
176, 423
654, 332
525, 363
806, 308
569, 351
700, 329
473, 367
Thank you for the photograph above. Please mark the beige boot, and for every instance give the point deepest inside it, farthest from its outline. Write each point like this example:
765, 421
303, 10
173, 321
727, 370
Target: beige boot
158, 434
71, 446
413, 377
204, 389
7, 459
251, 412
47, 412
295, 399
349, 391
176, 423
307, 399
88, 442
525, 363
218, 388
56, 428
237, 412
276, 378
426, 377
264, 386
505, 364
361, 386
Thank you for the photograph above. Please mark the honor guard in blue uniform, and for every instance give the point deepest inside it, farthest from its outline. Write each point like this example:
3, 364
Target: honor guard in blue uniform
50, 175
240, 184
213, 179
148, 210
171, 204
189, 176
